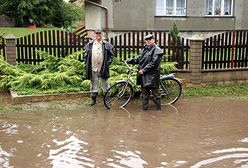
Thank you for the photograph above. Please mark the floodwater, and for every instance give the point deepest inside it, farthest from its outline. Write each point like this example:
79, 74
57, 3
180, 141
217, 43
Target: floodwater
195, 132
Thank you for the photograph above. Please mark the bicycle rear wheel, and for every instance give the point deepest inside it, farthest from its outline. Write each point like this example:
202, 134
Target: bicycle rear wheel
118, 95
170, 90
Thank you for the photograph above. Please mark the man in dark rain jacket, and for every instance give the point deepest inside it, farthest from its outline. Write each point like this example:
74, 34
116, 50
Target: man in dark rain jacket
98, 57
148, 75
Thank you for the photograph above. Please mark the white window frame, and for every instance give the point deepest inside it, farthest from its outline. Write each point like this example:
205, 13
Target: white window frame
174, 13
222, 9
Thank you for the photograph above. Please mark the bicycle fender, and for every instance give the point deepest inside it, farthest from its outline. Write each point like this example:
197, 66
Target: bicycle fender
120, 81
170, 76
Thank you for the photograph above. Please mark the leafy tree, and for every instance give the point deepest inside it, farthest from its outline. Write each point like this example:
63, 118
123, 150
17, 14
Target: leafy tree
66, 17
177, 52
41, 12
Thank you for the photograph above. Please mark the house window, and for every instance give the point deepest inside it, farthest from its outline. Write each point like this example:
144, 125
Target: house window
171, 7
219, 7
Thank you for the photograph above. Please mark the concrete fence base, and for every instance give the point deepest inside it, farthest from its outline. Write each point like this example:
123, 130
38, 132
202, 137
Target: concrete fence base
19, 99
216, 77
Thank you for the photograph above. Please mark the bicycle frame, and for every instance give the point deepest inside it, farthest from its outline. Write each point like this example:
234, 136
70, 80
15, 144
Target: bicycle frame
128, 79
170, 90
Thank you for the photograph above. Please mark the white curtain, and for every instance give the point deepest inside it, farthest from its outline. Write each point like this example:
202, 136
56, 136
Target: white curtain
160, 7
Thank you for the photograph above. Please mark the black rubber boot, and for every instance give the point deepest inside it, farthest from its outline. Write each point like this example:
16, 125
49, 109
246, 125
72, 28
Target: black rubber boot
93, 98
158, 104
144, 105
93, 101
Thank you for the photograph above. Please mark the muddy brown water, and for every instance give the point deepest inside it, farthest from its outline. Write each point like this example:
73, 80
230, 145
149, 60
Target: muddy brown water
195, 132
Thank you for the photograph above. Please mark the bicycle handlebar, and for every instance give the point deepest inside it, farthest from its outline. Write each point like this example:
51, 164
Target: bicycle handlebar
129, 67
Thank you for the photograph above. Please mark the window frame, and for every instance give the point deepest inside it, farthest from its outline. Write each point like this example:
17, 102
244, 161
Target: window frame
174, 13
221, 12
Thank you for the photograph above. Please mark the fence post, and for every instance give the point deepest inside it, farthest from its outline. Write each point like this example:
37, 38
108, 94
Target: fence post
196, 60
10, 49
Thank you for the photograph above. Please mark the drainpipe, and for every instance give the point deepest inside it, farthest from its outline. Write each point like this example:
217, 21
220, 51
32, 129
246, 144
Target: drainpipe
106, 13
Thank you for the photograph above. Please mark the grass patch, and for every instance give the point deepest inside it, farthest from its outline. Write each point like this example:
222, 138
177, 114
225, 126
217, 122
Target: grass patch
20, 31
217, 90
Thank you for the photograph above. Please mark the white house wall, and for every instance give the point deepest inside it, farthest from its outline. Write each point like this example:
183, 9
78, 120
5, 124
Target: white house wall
93, 16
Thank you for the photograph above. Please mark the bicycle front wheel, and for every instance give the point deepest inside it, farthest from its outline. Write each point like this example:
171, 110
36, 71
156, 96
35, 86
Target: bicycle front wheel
170, 90
118, 95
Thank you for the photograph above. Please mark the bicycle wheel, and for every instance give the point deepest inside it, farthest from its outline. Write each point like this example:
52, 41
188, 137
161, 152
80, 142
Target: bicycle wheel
118, 95
170, 90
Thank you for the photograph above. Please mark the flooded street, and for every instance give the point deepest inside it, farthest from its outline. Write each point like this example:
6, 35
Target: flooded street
195, 132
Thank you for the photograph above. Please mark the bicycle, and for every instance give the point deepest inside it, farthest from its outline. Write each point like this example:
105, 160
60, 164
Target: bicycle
122, 91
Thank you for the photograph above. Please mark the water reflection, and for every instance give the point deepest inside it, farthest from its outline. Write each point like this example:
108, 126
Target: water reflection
69, 153
4, 158
128, 113
193, 133
9, 128
244, 140
127, 159
240, 156
221, 158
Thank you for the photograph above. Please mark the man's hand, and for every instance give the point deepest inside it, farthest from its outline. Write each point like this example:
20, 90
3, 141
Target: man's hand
129, 60
141, 71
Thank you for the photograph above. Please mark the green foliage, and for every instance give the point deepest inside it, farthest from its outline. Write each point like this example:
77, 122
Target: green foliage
51, 74
118, 69
51, 63
66, 17
174, 32
167, 67
41, 12
85, 85
175, 42
55, 75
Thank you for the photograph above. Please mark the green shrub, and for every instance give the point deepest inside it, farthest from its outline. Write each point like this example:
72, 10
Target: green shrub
54, 75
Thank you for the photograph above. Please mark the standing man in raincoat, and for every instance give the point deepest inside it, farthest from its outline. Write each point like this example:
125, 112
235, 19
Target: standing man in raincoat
98, 57
148, 75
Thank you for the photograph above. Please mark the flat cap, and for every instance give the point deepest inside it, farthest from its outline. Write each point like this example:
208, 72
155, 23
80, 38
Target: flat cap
149, 36
98, 31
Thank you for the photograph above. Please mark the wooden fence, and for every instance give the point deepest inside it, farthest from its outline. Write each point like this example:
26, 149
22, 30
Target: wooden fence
54, 42
129, 45
2, 47
82, 32
226, 50
60, 44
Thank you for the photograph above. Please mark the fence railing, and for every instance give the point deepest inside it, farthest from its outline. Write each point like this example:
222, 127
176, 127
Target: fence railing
226, 50
82, 32
54, 42
2, 46
129, 45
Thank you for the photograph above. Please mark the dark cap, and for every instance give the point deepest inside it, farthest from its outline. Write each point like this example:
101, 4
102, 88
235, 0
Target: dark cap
149, 36
98, 31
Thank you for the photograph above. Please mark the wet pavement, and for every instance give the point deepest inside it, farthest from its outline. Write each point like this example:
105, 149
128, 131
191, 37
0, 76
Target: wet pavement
195, 132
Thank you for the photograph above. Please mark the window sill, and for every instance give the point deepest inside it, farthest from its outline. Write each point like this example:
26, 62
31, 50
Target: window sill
218, 16
182, 16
